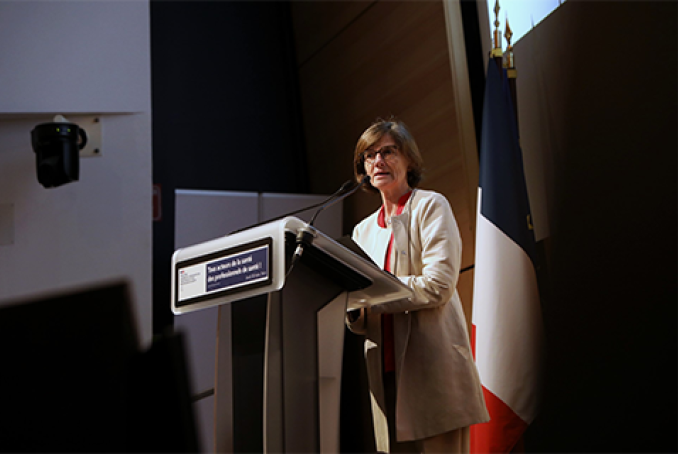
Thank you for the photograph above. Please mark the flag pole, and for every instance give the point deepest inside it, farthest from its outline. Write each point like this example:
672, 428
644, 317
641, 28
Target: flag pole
497, 53
511, 72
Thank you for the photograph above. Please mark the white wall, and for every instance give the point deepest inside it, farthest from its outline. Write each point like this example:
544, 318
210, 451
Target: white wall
76, 57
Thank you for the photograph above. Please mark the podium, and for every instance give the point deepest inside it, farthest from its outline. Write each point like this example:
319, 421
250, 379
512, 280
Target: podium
306, 306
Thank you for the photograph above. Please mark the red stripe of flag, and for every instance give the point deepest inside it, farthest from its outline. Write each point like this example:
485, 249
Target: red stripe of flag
503, 431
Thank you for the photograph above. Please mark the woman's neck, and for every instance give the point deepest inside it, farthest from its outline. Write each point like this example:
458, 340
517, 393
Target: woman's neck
390, 200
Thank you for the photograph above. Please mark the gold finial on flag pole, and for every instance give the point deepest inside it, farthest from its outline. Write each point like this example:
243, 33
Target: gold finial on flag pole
509, 63
511, 73
496, 52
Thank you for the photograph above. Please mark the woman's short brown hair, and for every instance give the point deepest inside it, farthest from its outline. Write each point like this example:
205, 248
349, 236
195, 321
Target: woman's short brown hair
406, 144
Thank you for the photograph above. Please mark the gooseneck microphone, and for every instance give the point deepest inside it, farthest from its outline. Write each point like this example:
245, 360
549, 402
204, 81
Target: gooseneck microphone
365, 180
337, 193
306, 234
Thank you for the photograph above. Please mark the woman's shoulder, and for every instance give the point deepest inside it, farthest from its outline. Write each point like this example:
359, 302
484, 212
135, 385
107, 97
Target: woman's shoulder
429, 206
424, 196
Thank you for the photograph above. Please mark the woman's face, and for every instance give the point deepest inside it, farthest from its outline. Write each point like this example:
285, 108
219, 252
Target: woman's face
386, 165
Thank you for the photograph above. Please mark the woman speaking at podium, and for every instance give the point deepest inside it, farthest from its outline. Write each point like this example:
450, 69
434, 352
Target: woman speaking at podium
424, 385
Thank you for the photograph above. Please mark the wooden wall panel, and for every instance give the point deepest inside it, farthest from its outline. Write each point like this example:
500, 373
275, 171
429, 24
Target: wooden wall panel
317, 23
388, 58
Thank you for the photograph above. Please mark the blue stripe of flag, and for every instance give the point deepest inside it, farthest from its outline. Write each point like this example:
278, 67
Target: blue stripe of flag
502, 178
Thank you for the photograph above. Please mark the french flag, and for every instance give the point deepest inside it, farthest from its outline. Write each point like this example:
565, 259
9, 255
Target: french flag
507, 332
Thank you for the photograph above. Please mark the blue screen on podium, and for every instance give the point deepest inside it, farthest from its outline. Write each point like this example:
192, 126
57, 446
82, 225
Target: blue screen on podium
224, 272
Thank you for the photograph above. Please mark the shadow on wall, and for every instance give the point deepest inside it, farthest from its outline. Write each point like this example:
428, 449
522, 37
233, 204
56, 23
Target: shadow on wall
611, 321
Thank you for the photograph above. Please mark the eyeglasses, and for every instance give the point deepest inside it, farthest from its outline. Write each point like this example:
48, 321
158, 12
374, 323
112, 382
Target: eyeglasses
388, 153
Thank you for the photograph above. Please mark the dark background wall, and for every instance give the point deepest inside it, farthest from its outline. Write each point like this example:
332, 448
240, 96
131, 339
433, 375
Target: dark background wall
226, 116
610, 318
225, 110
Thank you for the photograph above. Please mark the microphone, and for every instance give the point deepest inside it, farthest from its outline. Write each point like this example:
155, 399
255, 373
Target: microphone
366, 179
306, 234
337, 193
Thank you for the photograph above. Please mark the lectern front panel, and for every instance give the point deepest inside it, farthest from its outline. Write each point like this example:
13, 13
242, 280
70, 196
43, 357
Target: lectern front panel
224, 272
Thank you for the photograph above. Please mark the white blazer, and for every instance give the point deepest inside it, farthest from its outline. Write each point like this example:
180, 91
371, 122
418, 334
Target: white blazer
438, 388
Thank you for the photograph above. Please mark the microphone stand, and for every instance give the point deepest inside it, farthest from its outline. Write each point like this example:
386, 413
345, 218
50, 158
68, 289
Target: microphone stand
306, 234
338, 193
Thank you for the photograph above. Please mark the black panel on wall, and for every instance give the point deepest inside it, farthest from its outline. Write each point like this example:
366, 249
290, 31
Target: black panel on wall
226, 113
226, 116
611, 322
475, 60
